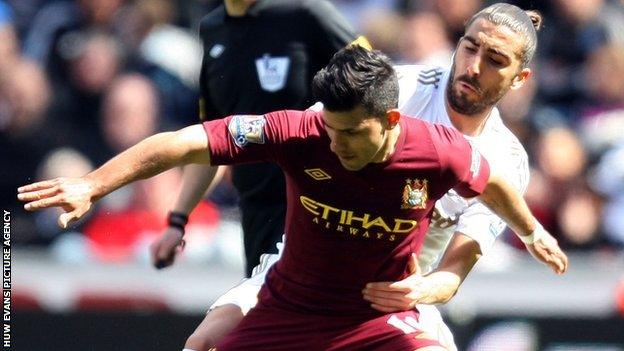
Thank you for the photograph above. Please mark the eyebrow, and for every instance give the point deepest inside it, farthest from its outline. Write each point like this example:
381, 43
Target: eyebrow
354, 129
474, 42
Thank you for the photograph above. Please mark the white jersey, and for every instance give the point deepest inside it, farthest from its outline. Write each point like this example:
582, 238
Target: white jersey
422, 95
422, 92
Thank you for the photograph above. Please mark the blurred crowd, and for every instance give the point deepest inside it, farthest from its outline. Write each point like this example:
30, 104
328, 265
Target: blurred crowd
81, 80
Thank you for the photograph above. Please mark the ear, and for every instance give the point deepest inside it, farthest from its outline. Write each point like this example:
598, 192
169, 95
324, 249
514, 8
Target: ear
520, 78
393, 117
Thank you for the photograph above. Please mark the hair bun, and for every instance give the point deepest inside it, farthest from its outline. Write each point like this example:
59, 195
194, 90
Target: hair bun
536, 19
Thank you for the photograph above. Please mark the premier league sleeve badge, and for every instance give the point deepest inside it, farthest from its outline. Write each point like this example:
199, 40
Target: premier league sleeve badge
246, 129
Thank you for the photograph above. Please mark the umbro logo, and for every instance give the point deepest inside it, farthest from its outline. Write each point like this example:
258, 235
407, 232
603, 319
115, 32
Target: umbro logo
317, 174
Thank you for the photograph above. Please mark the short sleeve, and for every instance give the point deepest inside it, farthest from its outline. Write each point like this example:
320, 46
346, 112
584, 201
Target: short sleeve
465, 165
477, 221
252, 138
408, 85
481, 225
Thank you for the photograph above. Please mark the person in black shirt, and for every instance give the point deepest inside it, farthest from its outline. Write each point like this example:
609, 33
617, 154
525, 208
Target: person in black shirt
259, 56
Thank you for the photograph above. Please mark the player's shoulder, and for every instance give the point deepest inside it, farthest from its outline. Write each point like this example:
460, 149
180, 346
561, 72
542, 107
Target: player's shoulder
420, 75
441, 133
212, 20
300, 10
420, 71
304, 123
312, 121
286, 7
501, 138
418, 83
442, 138
316, 7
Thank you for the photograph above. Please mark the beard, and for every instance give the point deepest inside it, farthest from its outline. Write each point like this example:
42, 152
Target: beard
460, 102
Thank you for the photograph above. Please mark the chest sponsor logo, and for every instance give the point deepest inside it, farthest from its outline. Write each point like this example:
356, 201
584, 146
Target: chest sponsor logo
356, 224
246, 129
415, 194
216, 50
272, 72
317, 174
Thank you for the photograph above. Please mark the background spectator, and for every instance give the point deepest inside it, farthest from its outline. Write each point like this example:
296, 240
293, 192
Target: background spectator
98, 75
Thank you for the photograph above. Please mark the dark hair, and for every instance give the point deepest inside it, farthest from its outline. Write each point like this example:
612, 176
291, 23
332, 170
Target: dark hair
357, 76
525, 23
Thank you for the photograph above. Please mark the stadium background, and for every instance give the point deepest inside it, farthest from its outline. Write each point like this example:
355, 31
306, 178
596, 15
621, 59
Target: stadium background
81, 80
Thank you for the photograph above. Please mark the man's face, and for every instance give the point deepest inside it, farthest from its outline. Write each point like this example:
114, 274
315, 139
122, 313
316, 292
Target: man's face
356, 137
486, 63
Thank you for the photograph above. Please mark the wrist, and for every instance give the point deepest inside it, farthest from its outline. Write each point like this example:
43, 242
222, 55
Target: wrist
95, 189
177, 220
535, 235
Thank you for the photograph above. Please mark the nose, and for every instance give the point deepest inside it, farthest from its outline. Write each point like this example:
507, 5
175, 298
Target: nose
474, 66
338, 143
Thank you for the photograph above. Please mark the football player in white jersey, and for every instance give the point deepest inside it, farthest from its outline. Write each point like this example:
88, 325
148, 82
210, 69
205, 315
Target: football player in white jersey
490, 59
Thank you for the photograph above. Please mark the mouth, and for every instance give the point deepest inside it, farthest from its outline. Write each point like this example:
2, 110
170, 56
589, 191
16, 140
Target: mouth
346, 157
468, 86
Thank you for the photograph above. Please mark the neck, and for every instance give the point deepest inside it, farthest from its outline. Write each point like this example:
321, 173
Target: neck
236, 8
389, 145
468, 125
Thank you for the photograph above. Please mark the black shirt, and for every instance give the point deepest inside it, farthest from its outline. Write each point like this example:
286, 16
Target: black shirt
262, 62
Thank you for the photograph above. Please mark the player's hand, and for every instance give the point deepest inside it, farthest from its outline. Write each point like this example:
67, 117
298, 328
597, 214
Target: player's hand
547, 250
403, 295
165, 249
73, 195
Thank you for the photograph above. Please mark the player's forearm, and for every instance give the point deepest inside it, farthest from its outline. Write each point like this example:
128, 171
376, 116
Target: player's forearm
508, 204
460, 256
149, 157
441, 287
197, 180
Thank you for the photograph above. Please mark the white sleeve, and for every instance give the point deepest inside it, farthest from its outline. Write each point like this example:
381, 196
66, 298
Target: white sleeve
477, 221
408, 82
481, 225
245, 293
317, 107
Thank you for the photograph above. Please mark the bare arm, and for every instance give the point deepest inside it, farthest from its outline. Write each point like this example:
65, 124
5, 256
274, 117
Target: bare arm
437, 287
197, 180
146, 159
460, 256
149, 157
508, 204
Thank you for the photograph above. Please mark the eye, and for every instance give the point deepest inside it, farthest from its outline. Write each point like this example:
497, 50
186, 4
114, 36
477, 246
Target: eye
471, 48
496, 62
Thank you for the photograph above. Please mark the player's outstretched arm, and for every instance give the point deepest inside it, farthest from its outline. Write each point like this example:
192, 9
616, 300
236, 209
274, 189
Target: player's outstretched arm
146, 159
439, 286
197, 180
508, 204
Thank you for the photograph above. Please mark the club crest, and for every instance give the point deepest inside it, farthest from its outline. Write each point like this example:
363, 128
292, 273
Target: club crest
415, 194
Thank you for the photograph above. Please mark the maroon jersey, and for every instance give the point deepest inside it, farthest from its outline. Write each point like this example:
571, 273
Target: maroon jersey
347, 228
